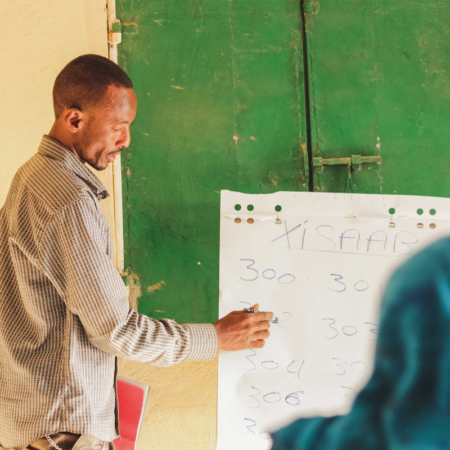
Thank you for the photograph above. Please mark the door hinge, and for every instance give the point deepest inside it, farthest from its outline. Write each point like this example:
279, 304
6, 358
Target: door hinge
115, 34
311, 6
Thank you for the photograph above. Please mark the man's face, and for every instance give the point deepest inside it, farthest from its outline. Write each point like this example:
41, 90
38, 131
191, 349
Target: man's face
107, 128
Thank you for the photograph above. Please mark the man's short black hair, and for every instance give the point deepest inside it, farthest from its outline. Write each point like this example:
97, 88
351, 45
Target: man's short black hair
83, 83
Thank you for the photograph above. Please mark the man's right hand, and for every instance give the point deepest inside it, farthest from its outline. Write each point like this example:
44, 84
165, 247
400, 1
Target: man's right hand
241, 330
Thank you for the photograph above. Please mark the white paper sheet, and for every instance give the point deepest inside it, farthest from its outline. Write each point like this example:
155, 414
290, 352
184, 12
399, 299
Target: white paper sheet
320, 264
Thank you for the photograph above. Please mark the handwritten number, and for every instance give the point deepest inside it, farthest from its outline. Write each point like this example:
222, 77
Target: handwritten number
361, 286
268, 274
277, 397
251, 426
254, 398
357, 366
296, 371
349, 395
286, 279
348, 330
343, 370
338, 279
360, 366
351, 331
373, 330
269, 365
251, 362
249, 267
264, 435
284, 320
292, 399
269, 277
334, 329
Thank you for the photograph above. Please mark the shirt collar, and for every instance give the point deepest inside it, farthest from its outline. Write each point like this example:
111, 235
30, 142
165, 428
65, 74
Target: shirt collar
53, 149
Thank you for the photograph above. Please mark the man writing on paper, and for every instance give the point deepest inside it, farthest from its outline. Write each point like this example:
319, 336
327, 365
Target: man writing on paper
64, 315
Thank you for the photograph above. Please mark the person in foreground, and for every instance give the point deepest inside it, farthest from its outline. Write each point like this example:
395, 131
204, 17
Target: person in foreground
64, 311
406, 404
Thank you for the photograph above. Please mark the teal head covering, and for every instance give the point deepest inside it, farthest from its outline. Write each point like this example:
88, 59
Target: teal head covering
406, 404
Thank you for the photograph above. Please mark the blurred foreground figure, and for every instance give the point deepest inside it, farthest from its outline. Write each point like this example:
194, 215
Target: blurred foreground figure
406, 404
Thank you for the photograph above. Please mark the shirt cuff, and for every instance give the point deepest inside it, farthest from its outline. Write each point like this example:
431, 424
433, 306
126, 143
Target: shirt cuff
204, 342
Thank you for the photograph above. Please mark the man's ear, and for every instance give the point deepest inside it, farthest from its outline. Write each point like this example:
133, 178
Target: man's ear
74, 120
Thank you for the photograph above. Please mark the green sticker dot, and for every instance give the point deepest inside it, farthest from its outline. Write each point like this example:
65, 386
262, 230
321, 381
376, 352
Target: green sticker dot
278, 208
432, 212
420, 211
392, 211
237, 207
250, 207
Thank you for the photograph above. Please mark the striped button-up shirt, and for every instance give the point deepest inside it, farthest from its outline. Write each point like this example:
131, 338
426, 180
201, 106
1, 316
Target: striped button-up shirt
64, 311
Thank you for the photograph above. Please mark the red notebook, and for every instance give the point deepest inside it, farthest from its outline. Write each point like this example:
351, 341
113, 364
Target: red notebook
132, 400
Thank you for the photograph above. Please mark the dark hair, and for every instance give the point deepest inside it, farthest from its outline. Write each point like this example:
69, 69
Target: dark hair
83, 83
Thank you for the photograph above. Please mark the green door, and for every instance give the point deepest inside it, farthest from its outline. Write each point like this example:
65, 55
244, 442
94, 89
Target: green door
220, 106
379, 85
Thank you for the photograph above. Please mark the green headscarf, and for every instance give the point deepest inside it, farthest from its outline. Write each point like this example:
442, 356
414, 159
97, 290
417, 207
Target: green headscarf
406, 404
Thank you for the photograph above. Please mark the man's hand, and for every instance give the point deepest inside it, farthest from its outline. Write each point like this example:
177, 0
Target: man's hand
240, 330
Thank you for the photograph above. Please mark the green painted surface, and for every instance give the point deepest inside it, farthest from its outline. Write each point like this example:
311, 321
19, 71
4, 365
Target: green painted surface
208, 72
381, 69
220, 106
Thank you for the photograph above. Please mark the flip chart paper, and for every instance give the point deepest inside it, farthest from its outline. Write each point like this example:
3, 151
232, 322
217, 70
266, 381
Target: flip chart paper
320, 264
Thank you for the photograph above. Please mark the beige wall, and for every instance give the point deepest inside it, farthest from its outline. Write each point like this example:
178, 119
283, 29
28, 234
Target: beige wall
181, 409
38, 38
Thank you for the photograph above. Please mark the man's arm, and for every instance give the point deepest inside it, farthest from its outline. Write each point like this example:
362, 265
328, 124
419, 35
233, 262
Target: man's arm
72, 257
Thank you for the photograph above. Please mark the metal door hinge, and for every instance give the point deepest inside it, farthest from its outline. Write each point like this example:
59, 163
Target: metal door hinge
311, 6
115, 34
118, 29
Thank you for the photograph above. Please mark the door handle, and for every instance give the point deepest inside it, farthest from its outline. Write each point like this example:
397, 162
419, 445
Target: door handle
353, 162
